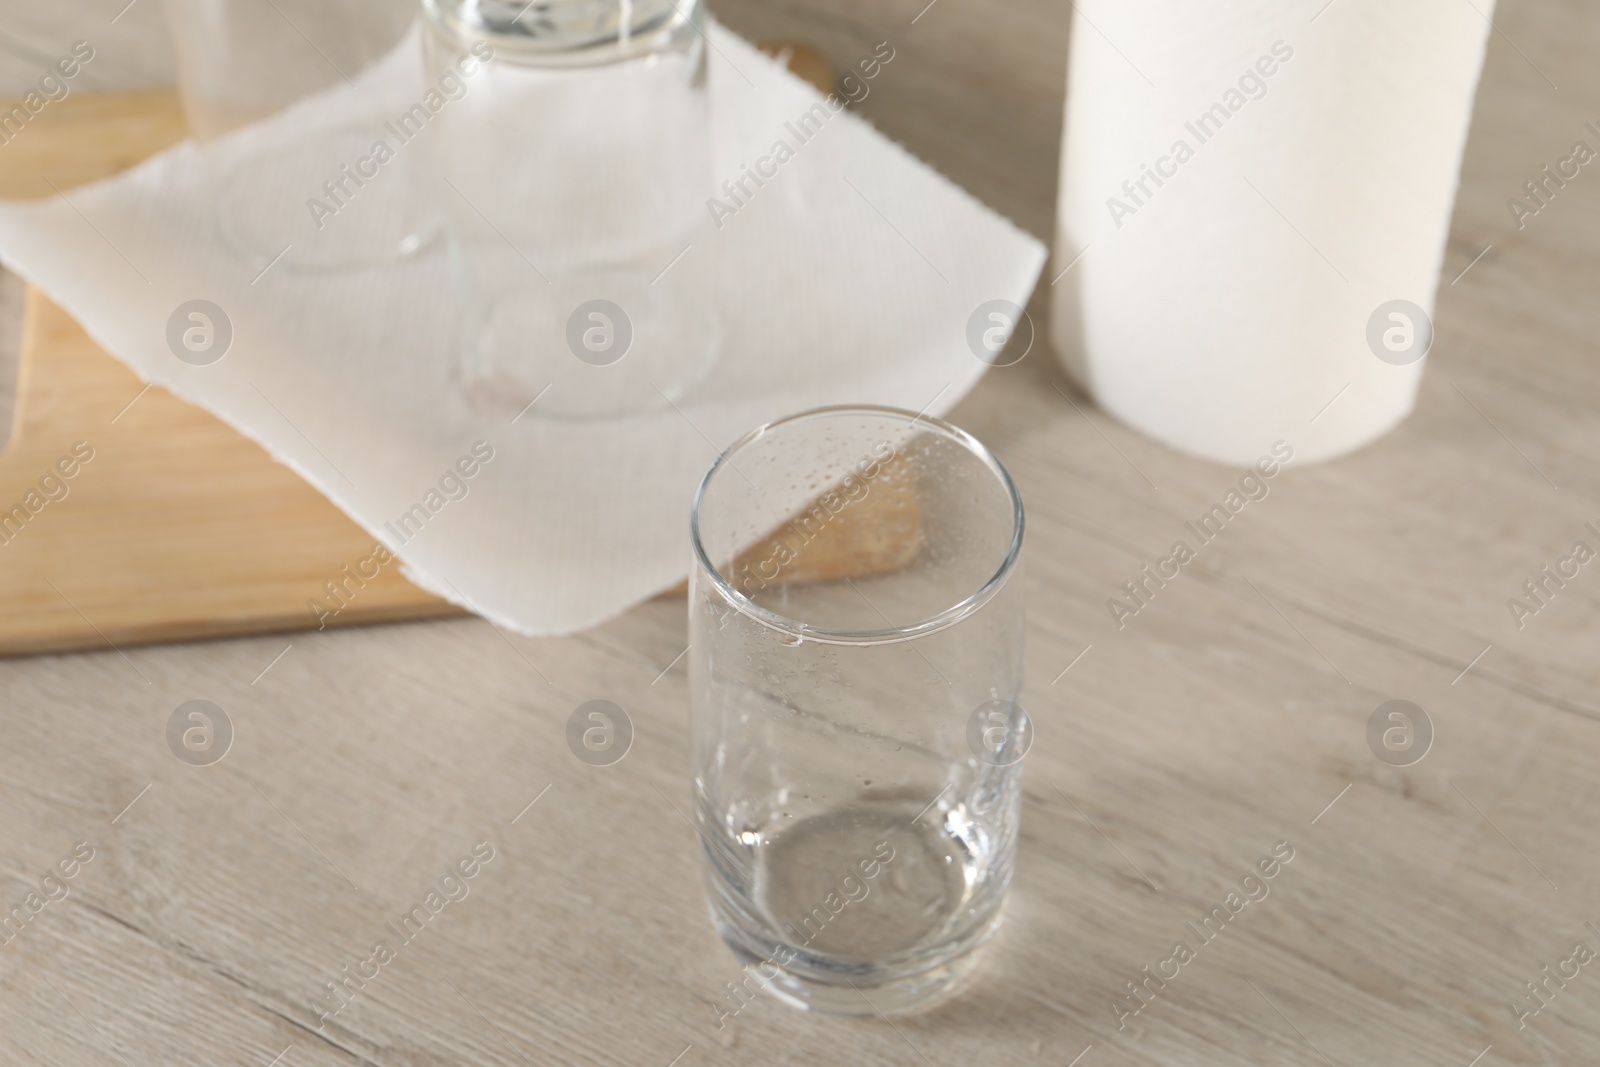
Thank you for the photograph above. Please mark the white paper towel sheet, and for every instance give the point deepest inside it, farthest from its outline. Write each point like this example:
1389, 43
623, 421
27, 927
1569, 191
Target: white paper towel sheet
1308, 156
350, 378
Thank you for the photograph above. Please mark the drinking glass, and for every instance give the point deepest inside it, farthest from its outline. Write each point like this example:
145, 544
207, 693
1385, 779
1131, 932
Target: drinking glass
578, 167
856, 626
241, 61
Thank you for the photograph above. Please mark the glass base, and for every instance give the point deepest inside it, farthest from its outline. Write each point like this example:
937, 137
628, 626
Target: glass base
865, 909
901, 995
589, 346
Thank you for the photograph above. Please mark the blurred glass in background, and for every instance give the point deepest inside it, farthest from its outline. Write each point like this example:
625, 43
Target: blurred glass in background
241, 61
575, 151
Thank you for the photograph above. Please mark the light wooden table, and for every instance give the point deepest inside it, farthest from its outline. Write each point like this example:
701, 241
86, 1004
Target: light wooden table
1228, 716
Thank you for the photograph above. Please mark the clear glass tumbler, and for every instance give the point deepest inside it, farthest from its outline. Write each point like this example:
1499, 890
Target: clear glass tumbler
856, 623
240, 61
323, 208
578, 166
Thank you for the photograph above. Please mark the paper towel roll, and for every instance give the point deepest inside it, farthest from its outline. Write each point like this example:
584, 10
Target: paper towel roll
1256, 196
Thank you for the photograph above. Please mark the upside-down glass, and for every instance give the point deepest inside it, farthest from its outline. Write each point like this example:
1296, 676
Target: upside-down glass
578, 164
241, 61
856, 626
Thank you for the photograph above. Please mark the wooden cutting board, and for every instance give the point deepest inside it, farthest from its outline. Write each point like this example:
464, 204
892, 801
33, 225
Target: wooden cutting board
171, 525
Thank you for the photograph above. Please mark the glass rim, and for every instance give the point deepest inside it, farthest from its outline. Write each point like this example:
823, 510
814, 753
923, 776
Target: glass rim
887, 635
462, 22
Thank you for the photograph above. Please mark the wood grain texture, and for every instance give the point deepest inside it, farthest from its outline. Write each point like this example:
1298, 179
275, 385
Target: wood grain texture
13, 300
1230, 714
87, 137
